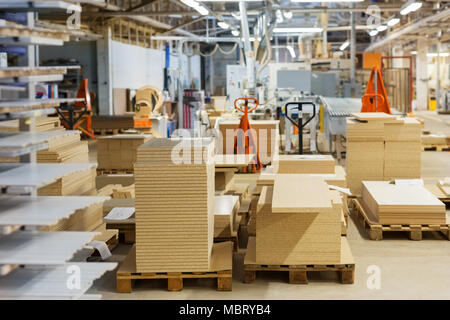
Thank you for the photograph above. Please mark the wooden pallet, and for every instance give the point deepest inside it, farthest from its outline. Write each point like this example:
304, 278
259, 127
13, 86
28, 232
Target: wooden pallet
127, 231
298, 274
107, 132
114, 171
375, 230
221, 269
435, 147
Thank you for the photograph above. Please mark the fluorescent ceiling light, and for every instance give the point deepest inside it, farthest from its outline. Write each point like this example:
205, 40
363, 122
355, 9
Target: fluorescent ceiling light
413, 52
197, 6
411, 6
235, 33
373, 33
393, 22
223, 25
344, 45
442, 54
382, 28
291, 51
175, 16
296, 30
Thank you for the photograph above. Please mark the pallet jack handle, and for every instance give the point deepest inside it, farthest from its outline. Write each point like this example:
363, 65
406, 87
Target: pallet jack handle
246, 100
300, 125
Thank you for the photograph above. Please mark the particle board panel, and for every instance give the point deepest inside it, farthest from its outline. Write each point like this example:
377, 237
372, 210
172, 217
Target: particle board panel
301, 164
300, 193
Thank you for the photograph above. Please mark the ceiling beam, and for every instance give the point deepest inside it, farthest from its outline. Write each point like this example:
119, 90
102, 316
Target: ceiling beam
183, 25
143, 4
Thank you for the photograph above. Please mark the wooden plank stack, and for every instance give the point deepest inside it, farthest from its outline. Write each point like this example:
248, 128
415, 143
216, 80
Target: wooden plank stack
381, 147
225, 212
401, 204
42, 124
119, 151
297, 223
174, 181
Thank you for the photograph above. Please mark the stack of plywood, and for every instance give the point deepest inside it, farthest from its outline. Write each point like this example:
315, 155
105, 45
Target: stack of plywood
299, 164
297, 223
119, 151
225, 212
174, 203
401, 204
67, 149
402, 156
378, 148
78, 183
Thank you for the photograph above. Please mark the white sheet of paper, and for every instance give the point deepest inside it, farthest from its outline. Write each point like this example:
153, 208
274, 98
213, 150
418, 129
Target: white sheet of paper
120, 214
102, 248
343, 190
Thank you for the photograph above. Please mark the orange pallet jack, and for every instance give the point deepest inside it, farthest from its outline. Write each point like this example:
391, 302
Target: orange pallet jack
245, 137
78, 116
375, 99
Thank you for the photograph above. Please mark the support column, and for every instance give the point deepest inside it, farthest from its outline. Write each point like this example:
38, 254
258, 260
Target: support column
422, 75
353, 47
104, 73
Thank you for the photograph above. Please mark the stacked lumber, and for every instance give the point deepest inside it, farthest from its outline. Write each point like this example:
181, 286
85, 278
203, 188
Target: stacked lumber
299, 164
174, 181
119, 151
297, 223
381, 147
435, 140
225, 211
78, 183
401, 204
112, 122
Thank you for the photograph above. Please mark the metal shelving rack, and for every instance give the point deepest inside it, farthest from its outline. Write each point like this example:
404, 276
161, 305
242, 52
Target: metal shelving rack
34, 264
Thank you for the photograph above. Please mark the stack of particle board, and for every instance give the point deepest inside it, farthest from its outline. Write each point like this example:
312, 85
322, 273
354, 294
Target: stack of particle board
300, 164
225, 212
42, 124
435, 140
78, 183
297, 223
402, 156
68, 149
174, 181
381, 147
119, 151
401, 204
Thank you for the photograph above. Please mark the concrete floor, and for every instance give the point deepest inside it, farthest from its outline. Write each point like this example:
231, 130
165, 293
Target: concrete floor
408, 269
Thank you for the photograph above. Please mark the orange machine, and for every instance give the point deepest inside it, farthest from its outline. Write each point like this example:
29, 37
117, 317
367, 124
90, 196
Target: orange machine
245, 136
375, 99
79, 115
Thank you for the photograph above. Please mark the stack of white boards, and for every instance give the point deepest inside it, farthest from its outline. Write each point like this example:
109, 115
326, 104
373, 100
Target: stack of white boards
401, 204
119, 151
381, 147
297, 223
225, 212
174, 182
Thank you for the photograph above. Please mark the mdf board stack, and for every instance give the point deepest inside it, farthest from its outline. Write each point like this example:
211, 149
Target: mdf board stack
119, 151
42, 124
402, 149
174, 205
123, 122
75, 184
225, 212
87, 219
300, 164
365, 149
68, 149
297, 223
402, 204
